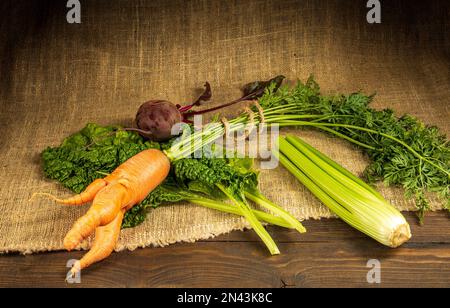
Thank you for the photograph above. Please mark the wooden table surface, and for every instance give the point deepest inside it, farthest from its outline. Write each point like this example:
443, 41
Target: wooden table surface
330, 254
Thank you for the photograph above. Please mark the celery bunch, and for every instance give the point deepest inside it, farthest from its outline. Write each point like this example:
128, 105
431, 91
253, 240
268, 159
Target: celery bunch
354, 201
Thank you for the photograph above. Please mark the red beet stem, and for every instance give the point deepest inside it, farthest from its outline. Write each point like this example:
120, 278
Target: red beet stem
190, 114
138, 130
206, 96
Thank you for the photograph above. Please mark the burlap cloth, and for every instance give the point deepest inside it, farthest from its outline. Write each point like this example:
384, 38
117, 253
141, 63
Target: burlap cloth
56, 77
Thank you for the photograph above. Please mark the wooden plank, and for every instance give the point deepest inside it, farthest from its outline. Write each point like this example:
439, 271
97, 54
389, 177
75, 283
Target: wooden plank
243, 262
238, 264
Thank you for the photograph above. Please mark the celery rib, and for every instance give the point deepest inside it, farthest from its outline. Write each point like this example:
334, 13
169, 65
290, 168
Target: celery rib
339, 167
258, 198
227, 208
259, 229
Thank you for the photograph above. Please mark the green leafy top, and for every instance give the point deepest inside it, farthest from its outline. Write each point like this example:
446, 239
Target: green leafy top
235, 174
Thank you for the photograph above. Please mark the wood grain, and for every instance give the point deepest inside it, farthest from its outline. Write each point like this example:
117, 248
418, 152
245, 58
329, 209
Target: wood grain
331, 254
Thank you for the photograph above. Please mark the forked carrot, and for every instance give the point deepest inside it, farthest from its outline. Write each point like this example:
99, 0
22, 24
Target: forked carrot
126, 186
104, 243
107, 203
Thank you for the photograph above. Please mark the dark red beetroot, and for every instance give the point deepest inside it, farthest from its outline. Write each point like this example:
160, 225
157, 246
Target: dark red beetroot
156, 118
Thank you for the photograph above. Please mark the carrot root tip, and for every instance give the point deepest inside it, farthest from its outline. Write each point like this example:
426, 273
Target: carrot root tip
42, 194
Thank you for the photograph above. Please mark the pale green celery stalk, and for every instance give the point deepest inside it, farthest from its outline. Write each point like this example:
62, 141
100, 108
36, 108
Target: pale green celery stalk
331, 169
247, 212
260, 199
338, 167
366, 212
227, 208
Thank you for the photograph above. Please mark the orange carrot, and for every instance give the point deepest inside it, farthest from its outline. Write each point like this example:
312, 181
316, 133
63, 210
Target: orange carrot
126, 186
104, 243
